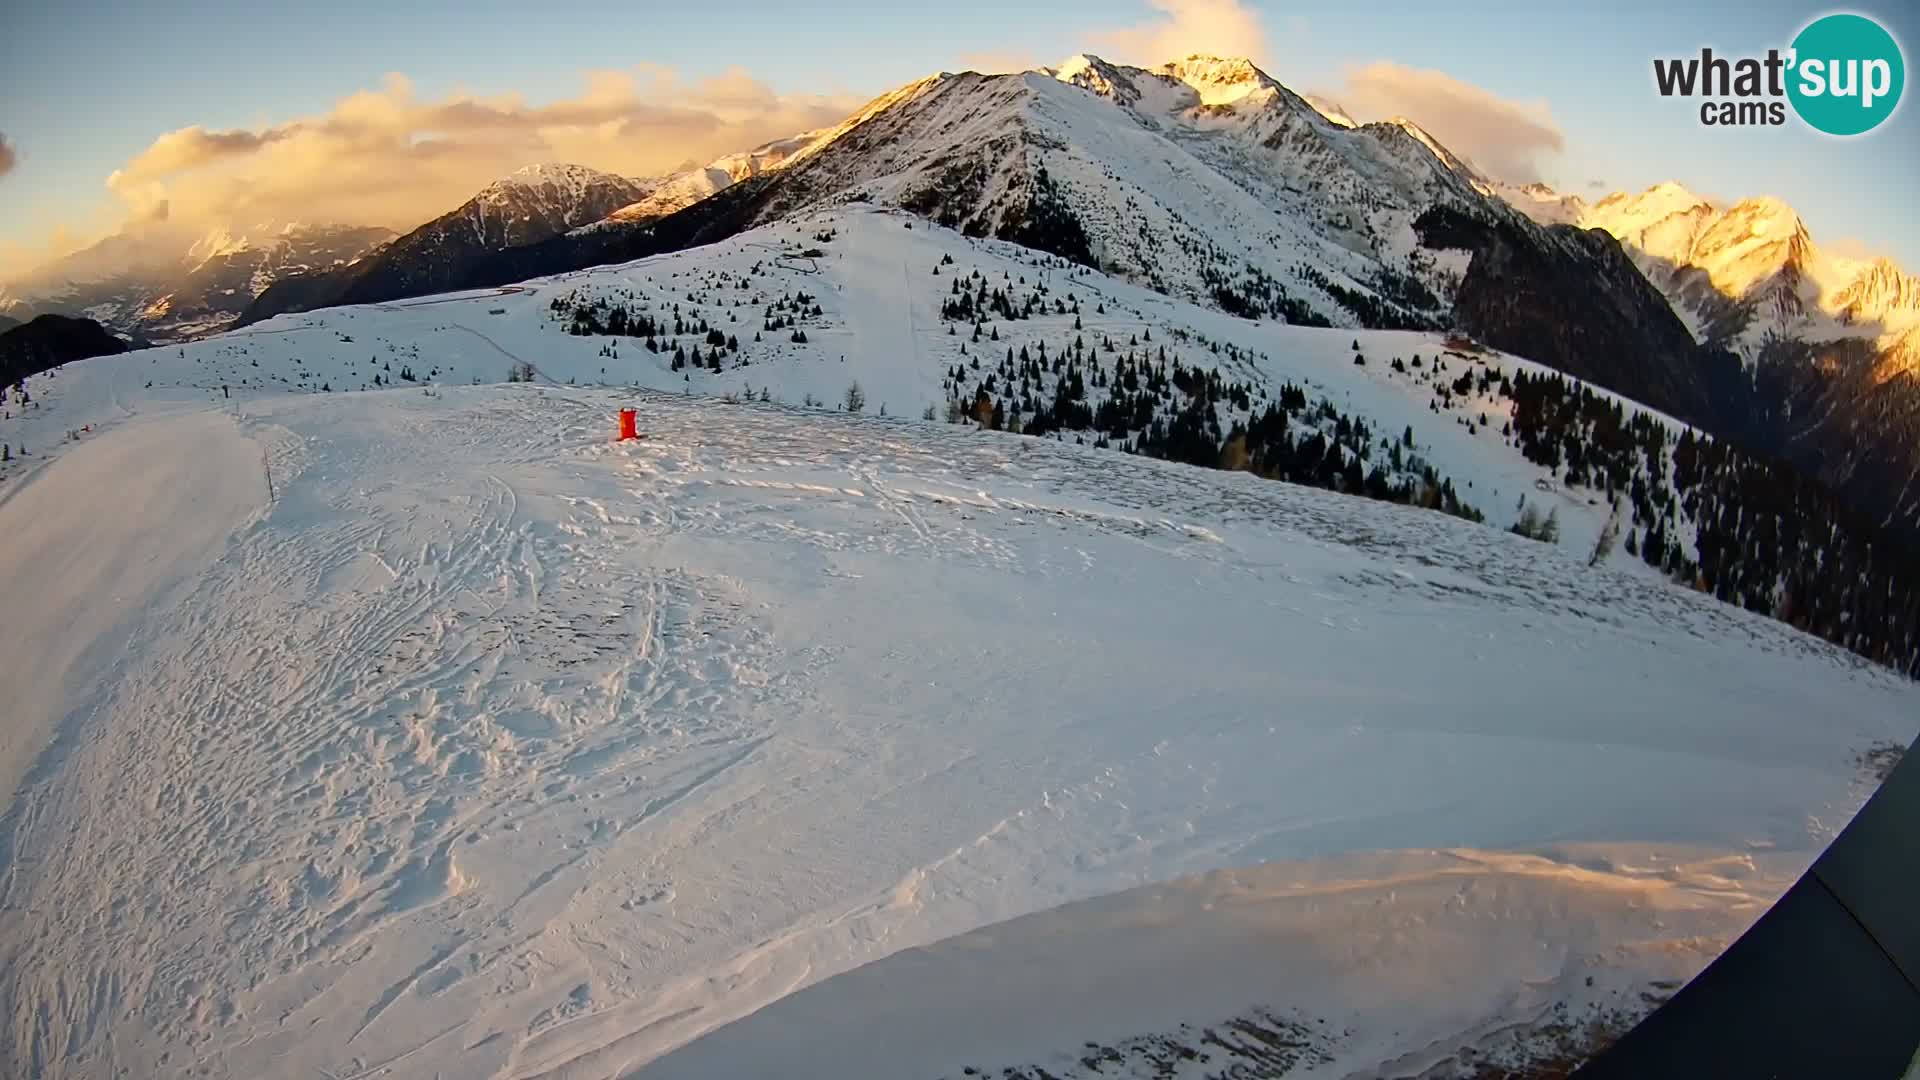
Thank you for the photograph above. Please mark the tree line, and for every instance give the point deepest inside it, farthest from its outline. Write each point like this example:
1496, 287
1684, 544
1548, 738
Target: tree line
1138, 399
1752, 531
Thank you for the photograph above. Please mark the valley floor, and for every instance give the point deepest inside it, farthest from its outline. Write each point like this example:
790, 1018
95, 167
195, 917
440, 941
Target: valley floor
486, 746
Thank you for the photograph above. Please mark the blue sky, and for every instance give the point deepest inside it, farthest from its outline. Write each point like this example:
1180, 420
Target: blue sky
86, 86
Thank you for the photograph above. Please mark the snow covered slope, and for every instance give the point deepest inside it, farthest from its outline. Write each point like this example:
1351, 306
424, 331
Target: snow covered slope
487, 746
881, 281
933, 324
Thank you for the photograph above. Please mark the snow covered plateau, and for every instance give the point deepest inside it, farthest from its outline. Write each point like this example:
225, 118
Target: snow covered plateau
414, 727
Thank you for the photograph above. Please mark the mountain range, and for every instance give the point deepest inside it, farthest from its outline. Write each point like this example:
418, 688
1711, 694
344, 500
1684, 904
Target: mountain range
157, 284
1208, 180
525, 207
1747, 273
1203, 178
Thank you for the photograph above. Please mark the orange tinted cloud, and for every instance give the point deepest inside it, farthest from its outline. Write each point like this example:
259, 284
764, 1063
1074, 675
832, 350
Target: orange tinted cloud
8, 156
1002, 61
389, 157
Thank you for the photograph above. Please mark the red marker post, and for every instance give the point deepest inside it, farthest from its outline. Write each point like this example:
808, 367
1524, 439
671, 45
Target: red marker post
629, 419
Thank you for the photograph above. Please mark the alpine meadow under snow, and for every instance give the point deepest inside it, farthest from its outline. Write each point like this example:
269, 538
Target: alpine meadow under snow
1095, 526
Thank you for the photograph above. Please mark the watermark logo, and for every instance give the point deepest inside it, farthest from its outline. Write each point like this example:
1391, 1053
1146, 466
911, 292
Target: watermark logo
1850, 74
1842, 75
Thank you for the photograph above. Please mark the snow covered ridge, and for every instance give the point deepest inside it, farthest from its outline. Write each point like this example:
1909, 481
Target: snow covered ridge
679, 190
518, 752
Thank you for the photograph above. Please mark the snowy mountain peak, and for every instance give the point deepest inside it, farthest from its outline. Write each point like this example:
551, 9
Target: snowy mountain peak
1216, 81
1649, 206
1079, 63
1881, 292
1542, 203
1754, 239
170, 282
1220, 80
1671, 189
569, 181
690, 185
1097, 75
1421, 135
1425, 139
538, 201
1331, 110
550, 172
768, 156
216, 242
1766, 216
224, 242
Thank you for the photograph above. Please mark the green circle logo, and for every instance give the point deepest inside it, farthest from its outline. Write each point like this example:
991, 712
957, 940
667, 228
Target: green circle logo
1847, 74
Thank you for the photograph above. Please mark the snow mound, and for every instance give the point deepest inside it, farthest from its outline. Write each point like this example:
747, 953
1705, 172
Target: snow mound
1399, 963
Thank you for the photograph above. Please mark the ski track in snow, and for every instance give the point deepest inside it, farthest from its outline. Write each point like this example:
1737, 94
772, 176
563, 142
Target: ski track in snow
489, 747
495, 747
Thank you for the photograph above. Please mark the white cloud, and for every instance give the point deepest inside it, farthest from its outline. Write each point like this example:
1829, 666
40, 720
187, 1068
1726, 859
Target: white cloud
1854, 247
1505, 138
1185, 27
